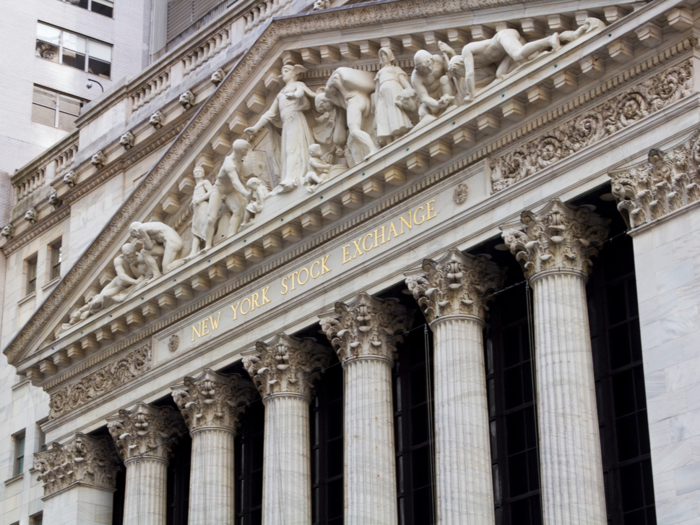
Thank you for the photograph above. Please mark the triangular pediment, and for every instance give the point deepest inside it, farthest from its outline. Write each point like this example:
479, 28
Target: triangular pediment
333, 39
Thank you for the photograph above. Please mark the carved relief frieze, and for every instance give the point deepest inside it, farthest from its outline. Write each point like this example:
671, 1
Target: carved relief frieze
100, 382
663, 183
600, 122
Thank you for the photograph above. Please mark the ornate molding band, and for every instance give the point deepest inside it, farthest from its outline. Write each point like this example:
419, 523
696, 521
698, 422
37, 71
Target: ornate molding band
100, 382
663, 183
592, 126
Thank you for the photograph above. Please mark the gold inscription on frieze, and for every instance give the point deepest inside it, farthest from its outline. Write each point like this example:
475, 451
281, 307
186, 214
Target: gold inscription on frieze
249, 304
206, 326
301, 277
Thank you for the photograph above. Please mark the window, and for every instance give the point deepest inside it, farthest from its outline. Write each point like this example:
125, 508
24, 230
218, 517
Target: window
55, 109
103, 7
31, 274
70, 49
55, 251
19, 453
37, 519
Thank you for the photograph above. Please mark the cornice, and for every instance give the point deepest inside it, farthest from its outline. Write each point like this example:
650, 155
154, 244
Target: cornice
37, 229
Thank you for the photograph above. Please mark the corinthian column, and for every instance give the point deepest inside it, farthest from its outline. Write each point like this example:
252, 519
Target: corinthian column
284, 370
452, 293
211, 405
144, 437
364, 333
554, 247
79, 479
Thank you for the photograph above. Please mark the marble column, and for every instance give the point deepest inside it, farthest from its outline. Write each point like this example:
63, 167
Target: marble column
144, 437
211, 405
453, 292
284, 370
555, 247
364, 333
79, 479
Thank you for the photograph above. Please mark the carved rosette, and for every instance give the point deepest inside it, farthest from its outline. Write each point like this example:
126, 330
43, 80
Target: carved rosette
145, 431
559, 236
213, 400
286, 365
84, 459
663, 183
366, 327
455, 284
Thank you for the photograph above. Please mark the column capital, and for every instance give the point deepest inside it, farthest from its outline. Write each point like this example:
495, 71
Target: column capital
213, 400
145, 431
83, 459
286, 365
558, 237
366, 327
455, 284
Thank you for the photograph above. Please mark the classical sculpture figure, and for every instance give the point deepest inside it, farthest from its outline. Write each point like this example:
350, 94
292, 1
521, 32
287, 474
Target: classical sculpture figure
431, 83
390, 119
228, 189
289, 112
351, 89
319, 170
199, 210
259, 193
159, 240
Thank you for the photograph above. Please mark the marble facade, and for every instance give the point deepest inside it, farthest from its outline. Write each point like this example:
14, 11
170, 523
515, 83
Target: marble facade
228, 248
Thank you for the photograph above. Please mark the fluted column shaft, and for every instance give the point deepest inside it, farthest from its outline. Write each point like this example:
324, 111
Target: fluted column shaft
287, 463
146, 491
212, 478
370, 457
570, 455
462, 446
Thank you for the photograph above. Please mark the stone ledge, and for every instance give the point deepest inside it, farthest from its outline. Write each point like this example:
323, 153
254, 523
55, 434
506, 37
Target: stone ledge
17, 478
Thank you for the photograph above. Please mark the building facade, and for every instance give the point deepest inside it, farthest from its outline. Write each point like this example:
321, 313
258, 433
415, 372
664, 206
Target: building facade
396, 262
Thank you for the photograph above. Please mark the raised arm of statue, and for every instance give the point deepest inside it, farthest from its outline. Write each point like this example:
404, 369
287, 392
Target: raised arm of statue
271, 116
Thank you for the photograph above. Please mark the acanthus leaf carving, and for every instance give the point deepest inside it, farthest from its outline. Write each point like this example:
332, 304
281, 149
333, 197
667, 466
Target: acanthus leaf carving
286, 365
455, 284
559, 236
366, 327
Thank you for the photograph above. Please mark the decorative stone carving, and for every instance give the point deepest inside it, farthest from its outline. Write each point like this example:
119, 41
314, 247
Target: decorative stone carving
83, 459
30, 216
455, 284
366, 327
288, 111
70, 178
217, 76
174, 343
286, 365
256, 202
431, 84
145, 431
592, 126
187, 99
159, 240
391, 81
8, 231
156, 120
213, 400
461, 193
319, 170
200, 206
98, 159
127, 140
665, 182
100, 382
559, 236
54, 201
321, 4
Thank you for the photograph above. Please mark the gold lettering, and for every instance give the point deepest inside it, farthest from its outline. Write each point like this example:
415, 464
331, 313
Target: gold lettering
392, 228
415, 216
326, 269
376, 237
234, 308
403, 221
195, 331
255, 297
346, 255
215, 324
286, 288
312, 270
431, 208
357, 248
249, 305
205, 328
293, 277
265, 300
364, 242
307, 276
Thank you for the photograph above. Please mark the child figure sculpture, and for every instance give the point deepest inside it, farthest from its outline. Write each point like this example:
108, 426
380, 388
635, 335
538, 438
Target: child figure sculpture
319, 171
259, 193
